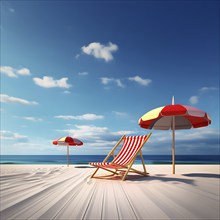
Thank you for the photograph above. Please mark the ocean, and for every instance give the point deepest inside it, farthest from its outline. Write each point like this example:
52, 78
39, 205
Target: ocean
85, 159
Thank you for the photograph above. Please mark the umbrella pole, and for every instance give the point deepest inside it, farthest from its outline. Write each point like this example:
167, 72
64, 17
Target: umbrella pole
173, 144
68, 155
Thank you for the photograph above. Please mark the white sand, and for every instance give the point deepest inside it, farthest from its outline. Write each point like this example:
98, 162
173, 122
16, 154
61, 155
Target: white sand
59, 192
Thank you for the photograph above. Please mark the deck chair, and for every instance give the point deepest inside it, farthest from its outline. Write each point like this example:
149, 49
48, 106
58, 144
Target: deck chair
125, 159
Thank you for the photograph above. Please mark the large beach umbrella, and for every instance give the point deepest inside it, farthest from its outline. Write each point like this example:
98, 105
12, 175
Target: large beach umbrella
174, 117
67, 141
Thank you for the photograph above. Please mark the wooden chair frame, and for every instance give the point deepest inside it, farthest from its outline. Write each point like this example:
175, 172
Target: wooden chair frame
128, 168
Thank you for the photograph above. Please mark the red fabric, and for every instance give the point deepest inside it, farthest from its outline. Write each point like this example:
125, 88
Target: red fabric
198, 122
173, 110
106, 165
146, 124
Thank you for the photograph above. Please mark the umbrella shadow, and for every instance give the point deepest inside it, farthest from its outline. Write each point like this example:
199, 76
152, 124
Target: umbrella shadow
161, 178
205, 175
157, 177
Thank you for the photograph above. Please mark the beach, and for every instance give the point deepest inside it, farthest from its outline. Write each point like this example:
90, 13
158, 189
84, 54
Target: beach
61, 192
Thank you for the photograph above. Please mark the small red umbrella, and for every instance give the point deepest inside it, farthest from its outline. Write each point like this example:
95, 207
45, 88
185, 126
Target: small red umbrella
174, 117
68, 141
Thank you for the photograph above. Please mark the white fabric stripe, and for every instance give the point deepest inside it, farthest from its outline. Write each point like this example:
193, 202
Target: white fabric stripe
127, 152
122, 151
62, 139
137, 145
132, 148
99, 164
140, 141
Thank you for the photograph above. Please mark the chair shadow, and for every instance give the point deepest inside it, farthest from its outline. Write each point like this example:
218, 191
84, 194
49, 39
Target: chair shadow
206, 175
82, 166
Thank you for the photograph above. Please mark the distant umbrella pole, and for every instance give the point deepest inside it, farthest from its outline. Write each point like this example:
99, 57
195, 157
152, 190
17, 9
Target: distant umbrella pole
68, 152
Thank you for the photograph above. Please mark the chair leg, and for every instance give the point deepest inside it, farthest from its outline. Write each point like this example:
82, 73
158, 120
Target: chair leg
142, 159
95, 172
129, 167
139, 172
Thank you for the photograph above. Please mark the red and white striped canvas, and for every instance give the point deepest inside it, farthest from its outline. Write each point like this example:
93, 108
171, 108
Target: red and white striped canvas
131, 146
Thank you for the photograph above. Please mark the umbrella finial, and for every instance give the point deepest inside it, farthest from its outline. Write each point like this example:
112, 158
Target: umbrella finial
173, 100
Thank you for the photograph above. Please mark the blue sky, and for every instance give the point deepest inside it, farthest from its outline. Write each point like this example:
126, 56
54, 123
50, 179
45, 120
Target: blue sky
92, 69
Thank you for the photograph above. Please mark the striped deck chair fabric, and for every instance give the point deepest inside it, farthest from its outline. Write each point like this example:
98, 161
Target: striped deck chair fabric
124, 160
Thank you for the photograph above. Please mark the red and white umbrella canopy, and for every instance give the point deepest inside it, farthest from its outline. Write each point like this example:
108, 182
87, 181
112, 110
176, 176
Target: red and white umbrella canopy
68, 141
186, 117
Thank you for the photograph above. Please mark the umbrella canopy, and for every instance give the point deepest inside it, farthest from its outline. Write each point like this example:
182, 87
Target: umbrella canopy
186, 117
174, 117
67, 141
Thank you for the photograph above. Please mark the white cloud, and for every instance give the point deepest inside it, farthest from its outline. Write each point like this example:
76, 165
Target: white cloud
49, 82
120, 133
120, 114
66, 92
24, 72
139, 80
83, 73
8, 135
88, 131
100, 51
11, 99
194, 99
207, 89
7, 70
106, 81
87, 117
12, 72
119, 83
12, 10
77, 56
33, 119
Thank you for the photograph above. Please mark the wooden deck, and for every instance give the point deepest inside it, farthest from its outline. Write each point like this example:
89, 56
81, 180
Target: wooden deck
58, 192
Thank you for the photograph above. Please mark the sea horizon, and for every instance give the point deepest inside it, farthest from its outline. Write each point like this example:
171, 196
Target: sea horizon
85, 159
